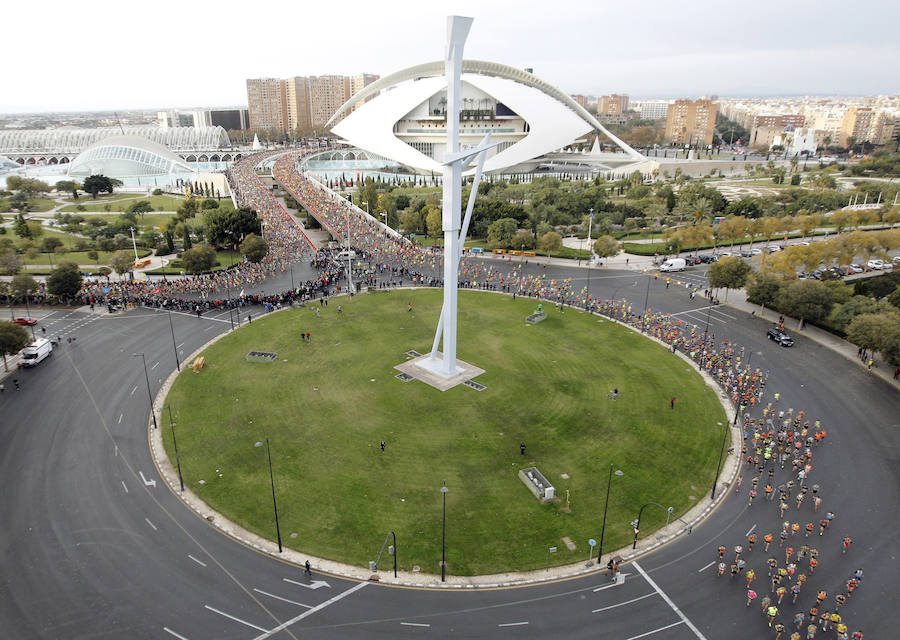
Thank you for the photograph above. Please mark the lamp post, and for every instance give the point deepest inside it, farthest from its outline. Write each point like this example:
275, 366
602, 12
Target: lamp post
637, 523
28, 312
147, 378
272, 480
444, 491
175, 444
590, 257
646, 304
174, 345
618, 472
719, 465
394, 553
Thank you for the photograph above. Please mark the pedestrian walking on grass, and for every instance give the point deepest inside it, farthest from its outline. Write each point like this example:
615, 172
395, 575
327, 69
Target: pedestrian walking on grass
672, 402
522, 448
382, 445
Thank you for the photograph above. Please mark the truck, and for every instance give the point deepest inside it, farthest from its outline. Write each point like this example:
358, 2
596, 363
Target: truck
36, 351
673, 264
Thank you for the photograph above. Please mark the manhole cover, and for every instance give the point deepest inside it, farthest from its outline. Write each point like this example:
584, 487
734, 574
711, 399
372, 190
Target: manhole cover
405, 377
413, 354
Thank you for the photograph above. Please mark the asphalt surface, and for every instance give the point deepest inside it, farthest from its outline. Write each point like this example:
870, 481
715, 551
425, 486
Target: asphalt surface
91, 548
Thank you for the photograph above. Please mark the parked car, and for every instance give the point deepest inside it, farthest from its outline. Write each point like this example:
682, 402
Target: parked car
777, 335
26, 321
816, 275
746, 253
855, 268
691, 260
755, 252
842, 270
707, 258
896, 259
875, 263
772, 248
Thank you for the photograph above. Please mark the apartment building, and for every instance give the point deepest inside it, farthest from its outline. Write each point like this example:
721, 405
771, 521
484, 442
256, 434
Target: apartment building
267, 103
612, 105
691, 122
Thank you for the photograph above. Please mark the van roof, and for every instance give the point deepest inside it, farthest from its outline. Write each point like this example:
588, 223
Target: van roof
39, 342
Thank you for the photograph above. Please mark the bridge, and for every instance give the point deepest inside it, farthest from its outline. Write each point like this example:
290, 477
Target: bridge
50, 157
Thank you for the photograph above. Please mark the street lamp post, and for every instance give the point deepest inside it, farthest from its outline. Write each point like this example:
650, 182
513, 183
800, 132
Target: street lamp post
395, 553
274, 501
28, 312
637, 523
605, 506
175, 445
147, 378
590, 258
646, 304
719, 465
444, 491
174, 344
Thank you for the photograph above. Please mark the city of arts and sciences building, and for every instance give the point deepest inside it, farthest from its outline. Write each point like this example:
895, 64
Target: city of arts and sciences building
399, 121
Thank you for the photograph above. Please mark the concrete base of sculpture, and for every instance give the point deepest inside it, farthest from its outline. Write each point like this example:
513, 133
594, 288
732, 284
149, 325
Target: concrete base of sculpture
431, 371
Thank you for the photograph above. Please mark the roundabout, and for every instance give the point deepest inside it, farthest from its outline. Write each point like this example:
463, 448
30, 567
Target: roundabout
326, 405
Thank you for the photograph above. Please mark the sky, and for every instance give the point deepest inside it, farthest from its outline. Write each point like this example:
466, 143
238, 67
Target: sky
105, 55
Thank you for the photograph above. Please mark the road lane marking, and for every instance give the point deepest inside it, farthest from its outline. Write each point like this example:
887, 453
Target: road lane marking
620, 579
154, 366
120, 417
172, 633
153, 526
415, 624
202, 564
180, 345
272, 595
650, 633
751, 531
285, 625
315, 584
125, 486
668, 602
512, 624
227, 615
212, 326
622, 604
133, 390
706, 566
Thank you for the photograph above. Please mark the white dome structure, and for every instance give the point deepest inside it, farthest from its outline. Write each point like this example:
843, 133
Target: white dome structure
403, 116
127, 157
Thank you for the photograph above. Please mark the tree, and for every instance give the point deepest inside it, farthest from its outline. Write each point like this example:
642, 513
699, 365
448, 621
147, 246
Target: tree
93, 256
50, 243
19, 202
13, 339
254, 248
10, 263
606, 246
140, 208
64, 281
523, 239
22, 283
433, 220
68, 185
500, 233
763, 289
209, 203
730, 273
199, 259
877, 332
550, 242
806, 300
97, 184
224, 227
121, 262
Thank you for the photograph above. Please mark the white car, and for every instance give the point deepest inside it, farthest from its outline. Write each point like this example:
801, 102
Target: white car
772, 248
875, 264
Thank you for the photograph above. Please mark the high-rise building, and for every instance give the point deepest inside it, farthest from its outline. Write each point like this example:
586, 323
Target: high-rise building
228, 119
865, 124
691, 122
297, 94
299, 103
651, 109
326, 95
612, 105
267, 103
360, 82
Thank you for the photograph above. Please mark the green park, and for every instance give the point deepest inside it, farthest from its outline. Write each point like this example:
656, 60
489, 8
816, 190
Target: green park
326, 404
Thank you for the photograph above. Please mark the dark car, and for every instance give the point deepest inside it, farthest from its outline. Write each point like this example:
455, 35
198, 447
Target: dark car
691, 260
780, 337
26, 320
707, 258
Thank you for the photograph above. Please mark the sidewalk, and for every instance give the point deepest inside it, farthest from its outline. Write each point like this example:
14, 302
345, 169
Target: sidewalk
737, 299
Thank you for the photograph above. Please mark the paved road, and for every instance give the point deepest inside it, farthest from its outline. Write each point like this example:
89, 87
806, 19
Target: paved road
89, 549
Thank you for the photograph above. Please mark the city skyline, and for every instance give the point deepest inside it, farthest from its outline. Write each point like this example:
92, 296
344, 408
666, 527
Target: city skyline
779, 49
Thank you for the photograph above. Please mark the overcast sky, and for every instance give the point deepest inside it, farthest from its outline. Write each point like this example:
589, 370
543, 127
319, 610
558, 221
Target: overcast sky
104, 54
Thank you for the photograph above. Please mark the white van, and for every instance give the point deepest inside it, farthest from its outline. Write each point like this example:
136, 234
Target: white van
673, 264
36, 351
345, 254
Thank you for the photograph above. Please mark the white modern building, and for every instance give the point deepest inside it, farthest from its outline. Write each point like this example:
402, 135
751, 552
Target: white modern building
405, 118
127, 157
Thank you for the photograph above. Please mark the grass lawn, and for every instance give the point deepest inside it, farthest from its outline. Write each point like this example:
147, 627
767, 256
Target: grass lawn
225, 257
35, 205
326, 405
159, 203
149, 220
